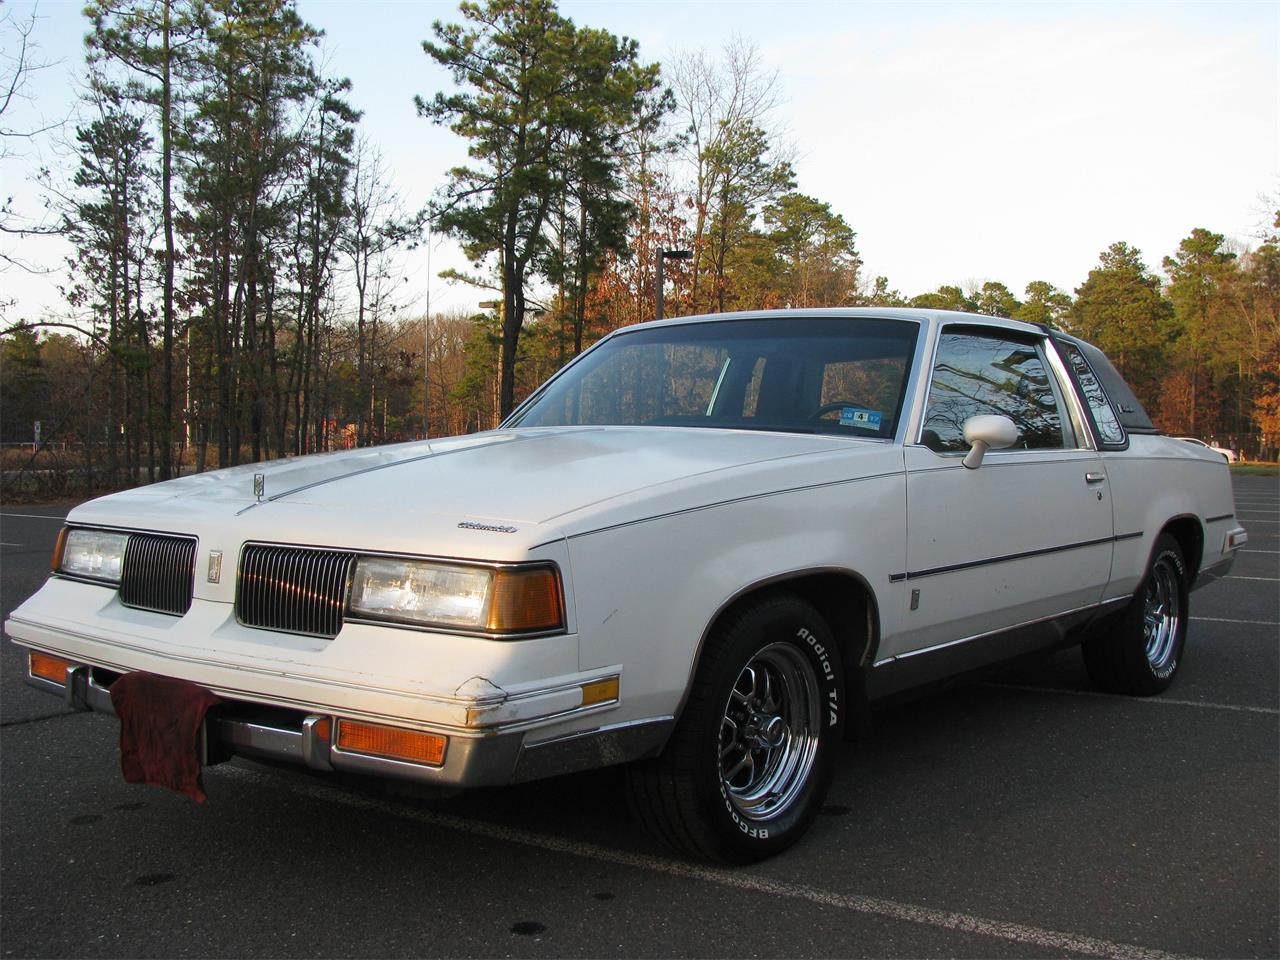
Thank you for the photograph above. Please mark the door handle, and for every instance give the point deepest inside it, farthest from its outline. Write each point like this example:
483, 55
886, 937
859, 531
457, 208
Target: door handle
1092, 478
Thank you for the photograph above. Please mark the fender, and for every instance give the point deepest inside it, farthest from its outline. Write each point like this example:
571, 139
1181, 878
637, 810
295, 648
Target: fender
872, 626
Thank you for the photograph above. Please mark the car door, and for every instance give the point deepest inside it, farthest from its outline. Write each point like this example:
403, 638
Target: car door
1027, 535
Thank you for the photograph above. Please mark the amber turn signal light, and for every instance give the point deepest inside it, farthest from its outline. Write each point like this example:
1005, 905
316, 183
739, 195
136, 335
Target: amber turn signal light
524, 601
396, 743
48, 668
59, 547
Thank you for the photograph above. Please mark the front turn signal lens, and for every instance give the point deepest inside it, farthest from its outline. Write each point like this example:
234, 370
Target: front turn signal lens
48, 668
59, 548
395, 743
524, 601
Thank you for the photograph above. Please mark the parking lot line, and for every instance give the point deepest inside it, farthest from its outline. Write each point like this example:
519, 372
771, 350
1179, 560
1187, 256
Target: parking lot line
1260, 551
1158, 701
1267, 579
1265, 623
876, 906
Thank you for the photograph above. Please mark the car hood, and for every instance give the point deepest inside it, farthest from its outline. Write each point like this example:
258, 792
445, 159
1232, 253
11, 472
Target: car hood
514, 477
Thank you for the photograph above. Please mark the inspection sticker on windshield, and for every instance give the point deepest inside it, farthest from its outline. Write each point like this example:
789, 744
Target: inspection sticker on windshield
857, 417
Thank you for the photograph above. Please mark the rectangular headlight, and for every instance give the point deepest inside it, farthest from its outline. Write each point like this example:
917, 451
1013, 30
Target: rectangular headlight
96, 554
427, 593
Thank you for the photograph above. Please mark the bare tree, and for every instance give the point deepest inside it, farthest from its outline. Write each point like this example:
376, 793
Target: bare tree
728, 108
19, 60
377, 228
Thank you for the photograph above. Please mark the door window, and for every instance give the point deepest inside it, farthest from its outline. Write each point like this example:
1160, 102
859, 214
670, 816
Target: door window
981, 373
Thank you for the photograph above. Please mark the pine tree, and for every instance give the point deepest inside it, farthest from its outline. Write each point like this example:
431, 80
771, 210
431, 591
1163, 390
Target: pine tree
543, 104
1120, 308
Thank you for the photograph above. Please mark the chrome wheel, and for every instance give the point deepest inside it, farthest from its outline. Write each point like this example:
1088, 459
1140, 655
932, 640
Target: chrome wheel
1162, 614
769, 732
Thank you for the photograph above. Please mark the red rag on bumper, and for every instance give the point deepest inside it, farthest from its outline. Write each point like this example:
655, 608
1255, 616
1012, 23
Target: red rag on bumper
160, 720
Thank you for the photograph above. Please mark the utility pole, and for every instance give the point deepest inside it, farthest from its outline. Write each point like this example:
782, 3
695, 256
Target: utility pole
664, 255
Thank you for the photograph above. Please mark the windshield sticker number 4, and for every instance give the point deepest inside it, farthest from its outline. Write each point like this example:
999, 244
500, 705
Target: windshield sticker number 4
857, 417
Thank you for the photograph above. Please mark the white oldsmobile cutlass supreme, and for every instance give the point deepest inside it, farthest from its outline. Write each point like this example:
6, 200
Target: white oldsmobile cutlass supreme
702, 549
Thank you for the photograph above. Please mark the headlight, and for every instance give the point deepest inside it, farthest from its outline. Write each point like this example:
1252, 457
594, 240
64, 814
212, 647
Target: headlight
503, 601
96, 554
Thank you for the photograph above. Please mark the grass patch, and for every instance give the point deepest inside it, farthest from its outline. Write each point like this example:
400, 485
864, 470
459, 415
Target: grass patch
1257, 469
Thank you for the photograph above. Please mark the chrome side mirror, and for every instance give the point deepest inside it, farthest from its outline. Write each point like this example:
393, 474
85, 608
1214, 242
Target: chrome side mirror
987, 433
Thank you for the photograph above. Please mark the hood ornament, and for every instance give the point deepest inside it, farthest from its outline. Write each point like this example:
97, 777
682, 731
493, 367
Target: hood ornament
259, 485
488, 527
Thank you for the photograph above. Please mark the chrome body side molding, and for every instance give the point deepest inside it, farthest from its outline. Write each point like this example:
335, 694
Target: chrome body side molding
930, 664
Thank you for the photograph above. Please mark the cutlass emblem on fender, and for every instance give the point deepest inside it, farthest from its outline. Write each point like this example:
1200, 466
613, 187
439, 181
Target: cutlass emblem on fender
487, 527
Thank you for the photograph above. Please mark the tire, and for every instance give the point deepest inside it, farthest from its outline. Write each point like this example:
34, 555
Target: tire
1142, 651
749, 762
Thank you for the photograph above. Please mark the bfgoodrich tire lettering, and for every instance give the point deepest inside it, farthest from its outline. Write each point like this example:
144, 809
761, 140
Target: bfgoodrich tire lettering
748, 764
1141, 653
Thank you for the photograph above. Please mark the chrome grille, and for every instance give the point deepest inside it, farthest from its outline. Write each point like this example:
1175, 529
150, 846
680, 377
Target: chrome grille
295, 589
157, 573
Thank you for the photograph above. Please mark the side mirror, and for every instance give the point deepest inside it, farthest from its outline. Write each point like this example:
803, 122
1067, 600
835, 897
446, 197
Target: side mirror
987, 433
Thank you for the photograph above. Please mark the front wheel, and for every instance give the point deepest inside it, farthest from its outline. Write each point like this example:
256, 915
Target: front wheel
1141, 653
748, 764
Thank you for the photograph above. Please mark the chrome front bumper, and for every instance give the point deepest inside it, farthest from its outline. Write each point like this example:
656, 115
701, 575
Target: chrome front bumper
240, 728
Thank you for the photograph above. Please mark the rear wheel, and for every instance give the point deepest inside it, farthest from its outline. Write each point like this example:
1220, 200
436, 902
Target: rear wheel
1141, 653
749, 762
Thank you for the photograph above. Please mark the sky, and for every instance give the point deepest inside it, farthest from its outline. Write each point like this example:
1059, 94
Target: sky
963, 142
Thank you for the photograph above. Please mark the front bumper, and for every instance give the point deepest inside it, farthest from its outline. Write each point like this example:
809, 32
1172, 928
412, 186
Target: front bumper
495, 757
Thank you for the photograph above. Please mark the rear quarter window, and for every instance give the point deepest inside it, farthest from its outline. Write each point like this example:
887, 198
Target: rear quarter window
1105, 418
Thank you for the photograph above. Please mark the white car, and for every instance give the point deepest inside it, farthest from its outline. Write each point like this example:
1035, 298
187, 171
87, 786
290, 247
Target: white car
1221, 451
702, 549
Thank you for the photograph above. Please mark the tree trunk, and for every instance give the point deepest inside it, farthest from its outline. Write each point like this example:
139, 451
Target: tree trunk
166, 200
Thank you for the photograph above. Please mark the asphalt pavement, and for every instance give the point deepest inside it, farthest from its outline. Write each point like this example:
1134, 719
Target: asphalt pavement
1022, 815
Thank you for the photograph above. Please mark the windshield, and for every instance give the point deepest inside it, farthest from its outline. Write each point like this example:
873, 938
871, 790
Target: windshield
836, 375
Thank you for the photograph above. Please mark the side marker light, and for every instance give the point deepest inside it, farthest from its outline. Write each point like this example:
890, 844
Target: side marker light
49, 668
600, 691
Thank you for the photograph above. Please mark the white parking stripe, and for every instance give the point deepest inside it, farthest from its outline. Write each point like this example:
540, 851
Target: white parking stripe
891, 909
1155, 701
1259, 551
1265, 623
1267, 579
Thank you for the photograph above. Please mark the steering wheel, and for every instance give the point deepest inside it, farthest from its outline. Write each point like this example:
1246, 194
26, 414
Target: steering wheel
832, 407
